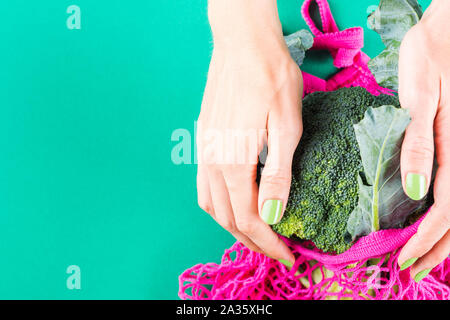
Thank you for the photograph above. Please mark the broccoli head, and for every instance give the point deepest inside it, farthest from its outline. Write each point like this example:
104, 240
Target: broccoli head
324, 188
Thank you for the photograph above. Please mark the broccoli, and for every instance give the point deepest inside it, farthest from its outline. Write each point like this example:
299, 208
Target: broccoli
326, 164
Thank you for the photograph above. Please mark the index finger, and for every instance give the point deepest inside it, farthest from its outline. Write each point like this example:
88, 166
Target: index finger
243, 192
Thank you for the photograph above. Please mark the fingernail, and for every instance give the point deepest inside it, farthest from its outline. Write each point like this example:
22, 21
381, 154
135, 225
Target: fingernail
416, 186
422, 274
408, 263
288, 265
271, 211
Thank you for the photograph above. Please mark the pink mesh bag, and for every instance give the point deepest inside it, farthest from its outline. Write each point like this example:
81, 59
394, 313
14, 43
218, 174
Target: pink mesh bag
368, 270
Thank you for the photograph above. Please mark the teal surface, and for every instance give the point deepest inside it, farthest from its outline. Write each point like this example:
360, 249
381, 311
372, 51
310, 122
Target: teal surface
86, 118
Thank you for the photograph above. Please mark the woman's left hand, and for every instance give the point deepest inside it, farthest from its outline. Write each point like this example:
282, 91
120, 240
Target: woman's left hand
424, 88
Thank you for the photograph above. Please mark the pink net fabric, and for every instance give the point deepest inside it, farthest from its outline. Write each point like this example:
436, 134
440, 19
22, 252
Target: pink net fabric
368, 270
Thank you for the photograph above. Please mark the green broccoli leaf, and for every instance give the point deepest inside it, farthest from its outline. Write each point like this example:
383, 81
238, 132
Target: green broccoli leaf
298, 43
391, 20
382, 203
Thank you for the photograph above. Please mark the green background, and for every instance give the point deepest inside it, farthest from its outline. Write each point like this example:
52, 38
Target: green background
86, 118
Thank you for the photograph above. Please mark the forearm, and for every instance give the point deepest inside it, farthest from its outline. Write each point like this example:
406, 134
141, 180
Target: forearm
240, 23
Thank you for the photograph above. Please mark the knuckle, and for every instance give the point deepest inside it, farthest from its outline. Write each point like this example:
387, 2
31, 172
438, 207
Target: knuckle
275, 176
227, 224
423, 241
246, 226
205, 205
420, 148
291, 71
435, 257
441, 211
295, 73
292, 133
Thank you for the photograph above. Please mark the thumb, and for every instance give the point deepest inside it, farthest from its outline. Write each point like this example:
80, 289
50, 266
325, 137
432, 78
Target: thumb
418, 92
417, 158
283, 137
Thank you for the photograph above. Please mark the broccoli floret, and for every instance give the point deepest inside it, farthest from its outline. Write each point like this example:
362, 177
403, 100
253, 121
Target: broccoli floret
324, 189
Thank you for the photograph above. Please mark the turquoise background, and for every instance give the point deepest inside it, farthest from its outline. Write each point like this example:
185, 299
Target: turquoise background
86, 118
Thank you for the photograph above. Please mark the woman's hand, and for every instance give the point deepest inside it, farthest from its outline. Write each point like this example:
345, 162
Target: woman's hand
424, 89
252, 97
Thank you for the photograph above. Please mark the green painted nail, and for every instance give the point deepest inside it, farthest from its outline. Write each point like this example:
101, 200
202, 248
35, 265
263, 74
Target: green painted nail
271, 211
288, 265
416, 186
408, 263
422, 274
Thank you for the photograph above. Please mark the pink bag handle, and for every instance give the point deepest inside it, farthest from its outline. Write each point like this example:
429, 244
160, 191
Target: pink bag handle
329, 25
345, 48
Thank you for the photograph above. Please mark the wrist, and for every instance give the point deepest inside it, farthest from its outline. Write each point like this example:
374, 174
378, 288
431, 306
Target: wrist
245, 23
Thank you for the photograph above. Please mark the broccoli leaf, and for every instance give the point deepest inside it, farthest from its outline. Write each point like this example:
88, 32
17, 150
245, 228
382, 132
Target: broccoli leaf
391, 20
298, 43
382, 203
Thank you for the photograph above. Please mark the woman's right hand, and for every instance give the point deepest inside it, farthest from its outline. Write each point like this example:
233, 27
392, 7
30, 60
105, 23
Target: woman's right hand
252, 98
